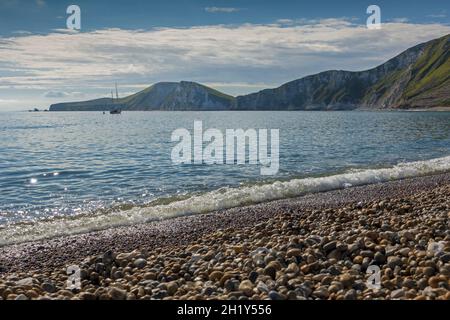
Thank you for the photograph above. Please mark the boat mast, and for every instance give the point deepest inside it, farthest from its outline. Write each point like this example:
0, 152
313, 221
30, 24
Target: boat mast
117, 92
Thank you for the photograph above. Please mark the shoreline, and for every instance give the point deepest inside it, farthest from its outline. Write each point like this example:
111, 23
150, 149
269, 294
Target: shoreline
430, 109
318, 246
59, 251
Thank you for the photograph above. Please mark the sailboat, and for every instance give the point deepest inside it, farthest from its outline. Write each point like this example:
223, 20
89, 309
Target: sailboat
116, 109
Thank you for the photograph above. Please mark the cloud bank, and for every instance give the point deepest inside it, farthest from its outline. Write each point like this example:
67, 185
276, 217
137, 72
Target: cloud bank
251, 55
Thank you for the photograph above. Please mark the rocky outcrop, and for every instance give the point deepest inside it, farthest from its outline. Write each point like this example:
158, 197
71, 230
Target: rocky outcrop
418, 77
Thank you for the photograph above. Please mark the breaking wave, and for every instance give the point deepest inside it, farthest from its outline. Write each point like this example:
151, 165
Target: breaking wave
222, 198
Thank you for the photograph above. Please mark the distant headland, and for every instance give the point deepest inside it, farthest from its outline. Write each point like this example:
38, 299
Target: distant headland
418, 78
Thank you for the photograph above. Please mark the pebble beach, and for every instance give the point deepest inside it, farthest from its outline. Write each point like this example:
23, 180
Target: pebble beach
319, 246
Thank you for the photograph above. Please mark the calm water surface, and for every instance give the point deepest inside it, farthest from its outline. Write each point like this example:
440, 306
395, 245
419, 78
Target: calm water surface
59, 164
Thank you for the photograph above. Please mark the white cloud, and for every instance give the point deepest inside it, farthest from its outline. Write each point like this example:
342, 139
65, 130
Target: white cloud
244, 54
439, 15
400, 20
22, 32
56, 94
221, 9
8, 101
62, 94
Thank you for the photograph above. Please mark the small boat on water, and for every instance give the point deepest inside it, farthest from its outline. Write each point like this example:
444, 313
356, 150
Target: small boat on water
116, 108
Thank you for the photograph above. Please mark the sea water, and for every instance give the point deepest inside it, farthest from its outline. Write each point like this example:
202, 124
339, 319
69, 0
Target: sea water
73, 172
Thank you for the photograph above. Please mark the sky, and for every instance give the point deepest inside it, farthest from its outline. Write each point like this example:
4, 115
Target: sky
235, 46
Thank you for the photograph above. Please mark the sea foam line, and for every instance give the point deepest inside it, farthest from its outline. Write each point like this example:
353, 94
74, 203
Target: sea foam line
223, 198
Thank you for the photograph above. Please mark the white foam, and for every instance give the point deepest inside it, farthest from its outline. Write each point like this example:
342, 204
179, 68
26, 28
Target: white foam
219, 199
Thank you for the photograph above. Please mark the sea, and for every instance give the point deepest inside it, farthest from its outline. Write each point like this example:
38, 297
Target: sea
65, 173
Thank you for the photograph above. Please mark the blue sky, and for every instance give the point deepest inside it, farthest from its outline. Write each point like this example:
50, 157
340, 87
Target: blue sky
234, 46
43, 16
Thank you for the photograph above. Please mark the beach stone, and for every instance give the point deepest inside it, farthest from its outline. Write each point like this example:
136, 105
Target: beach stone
32, 294
292, 268
404, 252
122, 259
48, 287
358, 259
390, 249
11, 296
194, 248
117, 294
422, 283
329, 246
304, 290
140, 263
273, 295
253, 276
87, 296
396, 294
25, 282
277, 265
84, 274
118, 274
161, 294
409, 283
434, 282
350, 295
21, 297
342, 247
208, 291
215, 276
172, 288
373, 235
246, 287
393, 261
108, 258
231, 285
346, 280
238, 249
408, 235
379, 258
150, 276
366, 254
262, 287
270, 271
326, 280
321, 293
334, 254
428, 271
333, 270
226, 276
100, 268
295, 252
445, 258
